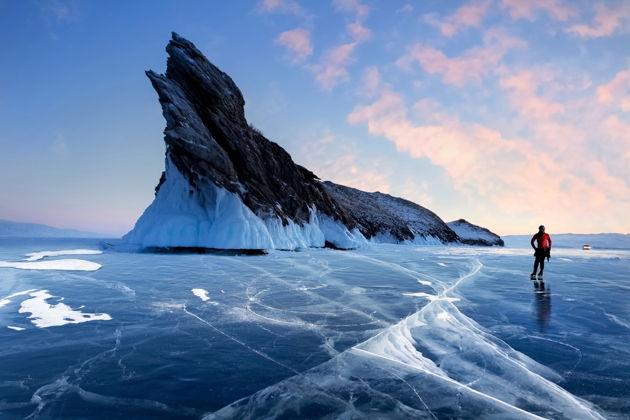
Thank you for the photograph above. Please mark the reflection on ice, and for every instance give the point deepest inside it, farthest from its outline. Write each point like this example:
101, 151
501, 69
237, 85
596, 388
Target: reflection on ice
542, 297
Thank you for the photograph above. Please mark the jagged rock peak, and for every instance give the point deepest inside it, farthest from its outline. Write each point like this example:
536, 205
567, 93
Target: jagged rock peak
209, 140
474, 235
227, 186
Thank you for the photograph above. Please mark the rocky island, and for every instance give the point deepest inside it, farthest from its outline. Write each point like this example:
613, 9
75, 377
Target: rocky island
226, 186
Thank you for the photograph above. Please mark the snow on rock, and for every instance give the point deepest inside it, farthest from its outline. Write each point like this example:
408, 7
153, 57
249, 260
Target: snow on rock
474, 235
388, 219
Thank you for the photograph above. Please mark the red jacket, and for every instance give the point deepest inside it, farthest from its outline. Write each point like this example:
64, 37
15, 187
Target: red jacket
544, 240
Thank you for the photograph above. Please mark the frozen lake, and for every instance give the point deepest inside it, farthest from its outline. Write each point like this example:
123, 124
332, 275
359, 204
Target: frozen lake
386, 331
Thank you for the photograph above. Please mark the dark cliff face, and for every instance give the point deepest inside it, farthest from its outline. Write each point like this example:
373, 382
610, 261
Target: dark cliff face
377, 213
209, 141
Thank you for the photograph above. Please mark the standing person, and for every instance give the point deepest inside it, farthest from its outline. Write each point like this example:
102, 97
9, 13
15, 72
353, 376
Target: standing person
542, 250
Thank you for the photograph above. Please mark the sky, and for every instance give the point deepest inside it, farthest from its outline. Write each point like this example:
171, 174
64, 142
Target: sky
508, 113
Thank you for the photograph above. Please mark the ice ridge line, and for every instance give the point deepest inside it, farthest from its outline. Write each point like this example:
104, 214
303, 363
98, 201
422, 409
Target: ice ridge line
452, 381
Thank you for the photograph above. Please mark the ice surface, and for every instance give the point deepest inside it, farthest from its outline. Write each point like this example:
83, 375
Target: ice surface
322, 334
216, 218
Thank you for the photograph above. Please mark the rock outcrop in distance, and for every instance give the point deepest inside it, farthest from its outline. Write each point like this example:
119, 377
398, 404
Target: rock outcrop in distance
474, 235
226, 186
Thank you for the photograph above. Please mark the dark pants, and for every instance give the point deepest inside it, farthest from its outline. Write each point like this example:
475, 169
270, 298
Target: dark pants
540, 255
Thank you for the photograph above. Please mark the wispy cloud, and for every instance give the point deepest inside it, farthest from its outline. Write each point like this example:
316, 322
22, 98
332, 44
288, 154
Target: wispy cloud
616, 91
353, 6
358, 32
472, 66
336, 159
371, 81
512, 174
605, 23
528, 9
469, 15
523, 87
55, 10
406, 8
59, 146
333, 69
298, 41
281, 6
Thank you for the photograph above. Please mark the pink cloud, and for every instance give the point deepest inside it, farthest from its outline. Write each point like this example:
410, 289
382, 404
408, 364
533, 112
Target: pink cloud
469, 15
472, 66
281, 6
617, 90
407, 8
342, 165
298, 41
333, 68
358, 32
511, 175
526, 9
352, 6
371, 81
523, 86
605, 23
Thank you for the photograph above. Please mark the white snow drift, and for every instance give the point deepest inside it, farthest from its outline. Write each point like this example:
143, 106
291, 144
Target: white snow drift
216, 218
32, 262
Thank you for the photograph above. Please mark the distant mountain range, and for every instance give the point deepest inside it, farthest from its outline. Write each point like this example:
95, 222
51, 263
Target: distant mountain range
575, 240
10, 229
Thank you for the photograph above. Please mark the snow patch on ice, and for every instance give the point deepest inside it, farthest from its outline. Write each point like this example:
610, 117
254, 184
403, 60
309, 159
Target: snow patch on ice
32, 262
11, 327
45, 315
7, 299
432, 297
68, 265
181, 216
442, 316
201, 294
425, 282
35, 256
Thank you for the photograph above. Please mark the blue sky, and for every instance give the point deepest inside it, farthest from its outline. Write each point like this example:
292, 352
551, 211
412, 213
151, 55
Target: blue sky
509, 113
